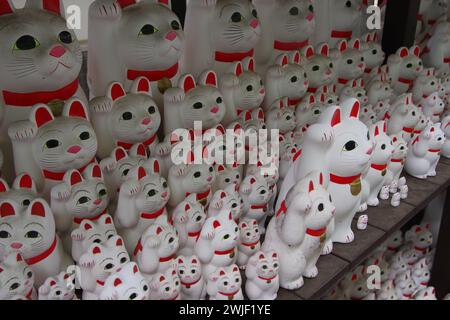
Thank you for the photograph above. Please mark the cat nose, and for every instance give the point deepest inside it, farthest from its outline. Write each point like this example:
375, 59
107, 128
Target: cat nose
57, 51
328, 72
209, 179
369, 152
172, 35
164, 194
306, 83
16, 245
254, 23
97, 202
146, 121
74, 149
361, 66
310, 17
215, 109
262, 91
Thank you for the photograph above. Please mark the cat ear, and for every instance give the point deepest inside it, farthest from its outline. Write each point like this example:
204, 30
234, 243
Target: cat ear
6, 7
94, 171
125, 3
39, 208
120, 153
336, 118
311, 186
209, 78
309, 51
8, 209
141, 85
138, 150
73, 177
376, 37
342, 45
377, 131
3, 186
53, 6
356, 44
115, 91
284, 60
324, 49
24, 181
354, 107
41, 115
87, 225
238, 69
251, 64
106, 219
403, 52
187, 83
76, 108
367, 37
415, 50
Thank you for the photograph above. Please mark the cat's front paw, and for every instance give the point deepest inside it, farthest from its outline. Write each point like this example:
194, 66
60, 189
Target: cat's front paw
22, 130
163, 149
130, 188
77, 235
60, 192
101, 105
106, 9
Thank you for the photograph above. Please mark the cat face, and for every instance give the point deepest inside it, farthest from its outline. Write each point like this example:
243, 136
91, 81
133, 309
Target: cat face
151, 37
410, 114
255, 190
166, 286
345, 14
265, 171
22, 192
320, 69
351, 61
64, 143
249, 232
267, 264
428, 82
422, 237
194, 212
410, 63
227, 279
59, 287
16, 278
368, 116
355, 90
294, 82
322, 209
163, 236
236, 27
281, 117
400, 147
383, 147
358, 285
127, 284
387, 291
39, 52
226, 176
432, 106
199, 178
29, 231
395, 241
372, 51
225, 232
404, 283
251, 92
434, 135
189, 269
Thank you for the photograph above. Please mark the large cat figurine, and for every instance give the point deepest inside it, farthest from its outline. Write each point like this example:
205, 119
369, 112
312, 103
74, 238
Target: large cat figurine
46, 147
131, 39
40, 63
404, 67
218, 33
285, 26
320, 69
22, 191
16, 278
31, 232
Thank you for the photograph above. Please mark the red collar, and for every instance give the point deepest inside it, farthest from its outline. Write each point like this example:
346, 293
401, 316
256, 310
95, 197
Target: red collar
408, 130
343, 180
153, 215
434, 150
262, 206
229, 294
283, 209
312, 90
396, 160
425, 50
424, 284
29, 296
58, 176
79, 220
297, 155
294, 102
355, 298
341, 34
44, 255
431, 22
101, 283
290, 46
30, 99
423, 250
368, 70
447, 60
233, 57
316, 233
418, 131
200, 196
195, 235
343, 81
222, 253
379, 167
190, 284
392, 249
420, 17
267, 279
153, 75
406, 81
127, 146
250, 244
166, 259
409, 296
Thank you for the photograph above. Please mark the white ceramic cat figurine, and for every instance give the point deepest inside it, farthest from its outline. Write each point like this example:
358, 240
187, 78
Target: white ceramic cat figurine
124, 119
436, 53
46, 147
185, 179
378, 90
126, 284
217, 245
16, 278
398, 265
308, 112
432, 107
281, 116
445, 127
298, 231
225, 284
404, 285
393, 244
22, 191
286, 78
425, 84
420, 273
57, 288
191, 101
404, 67
142, 200
387, 291
350, 62
320, 69
218, 33
373, 53
189, 217
89, 232
165, 285
428, 293
228, 175
285, 26
420, 239
156, 250
262, 276
249, 241
425, 152
242, 88
98, 263
403, 117
131, 39
44, 253
355, 89
41, 62
227, 201
395, 165
193, 284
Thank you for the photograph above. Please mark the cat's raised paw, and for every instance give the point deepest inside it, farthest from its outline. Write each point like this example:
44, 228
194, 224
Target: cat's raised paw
105, 9
101, 105
22, 130
130, 188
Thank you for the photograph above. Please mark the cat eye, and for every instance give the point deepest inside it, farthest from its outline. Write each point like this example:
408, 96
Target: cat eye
248, 234
127, 116
362, 59
85, 135
234, 205
318, 111
58, 293
351, 145
123, 260
262, 192
65, 37
14, 286
175, 25
262, 83
219, 100
374, 51
294, 79
164, 184
237, 17
125, 172
198, 105
193, 271
264, 267
227, 236
102, 192
238, 176
29, 274
349, 61
255, 13
109, 266
51, 144
237, 280
198, 219
151, 193
145, 288
383, 147
348, 4
197, 175
26, 42
181, 271
132, 296
432, 83
26, 203
311, 8
320, 207
294, 11
316, 68
409, 65
152, 110
236, 229
32, 234
177, 283
148, 29
249, 88
211, 169
420, 63
4, 234
171, 239
225, 283
83, 200
167, 289
275, 265
227, 180
288, 118
97, 241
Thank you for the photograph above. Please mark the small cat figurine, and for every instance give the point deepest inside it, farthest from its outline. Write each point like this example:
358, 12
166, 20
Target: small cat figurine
227, 201
374, 55
126, 284
249, 241
432, 107
420, 273
404, 67
355, 89
58, 288
193, 284
393, 243
219, 33
428, 293
16, 278
445, 127
40, 63
44, 252
419, 238
350, 62
165, 285
227, 175
189, 217
243, 89
286, 78
281, 117
320, 68
378, 90
131, 39
89, 232
425, 84
404, 285
262, 276
398, 265
403, 117
124, 119
190, 102
22, 191
217, 245
225, 284
355, 286
398, 159
142, 200
98, 263
157, 247
46, 147
379, 260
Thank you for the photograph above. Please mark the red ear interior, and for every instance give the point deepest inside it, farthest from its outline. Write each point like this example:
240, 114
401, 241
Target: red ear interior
377, 132
220, 168
38, 209
194, 261
119, 242
216, 224
321, 178
354, 277
252, 181
126, 3
5, 7
211, 79
222, 195
156, 166
108, 220
75, 178
53, 6
3, 186
251, 65
235, 269
309, 52
180, 261
52, 283
120, 153
384, 127
238, 70
77, 109
311, 186
159, 230
355, 110
285, 60
42, 116
312, 100
325, 50
141, 173
416, 51
26, 182
141, 151
117, 91
261, 256
19, 257
297, 57
188, 83
6, 209
87, 226
356, 44
117, 282
222, 273
96, 250
143, 85
135, 269
162, 279
96, 172
336, 119
343, 46
404, 52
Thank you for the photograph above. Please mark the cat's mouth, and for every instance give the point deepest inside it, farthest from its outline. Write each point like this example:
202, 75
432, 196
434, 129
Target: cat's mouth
60, 64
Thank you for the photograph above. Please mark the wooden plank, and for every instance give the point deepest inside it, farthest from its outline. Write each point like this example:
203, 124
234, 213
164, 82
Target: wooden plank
445, 161
284, 294
388, 218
